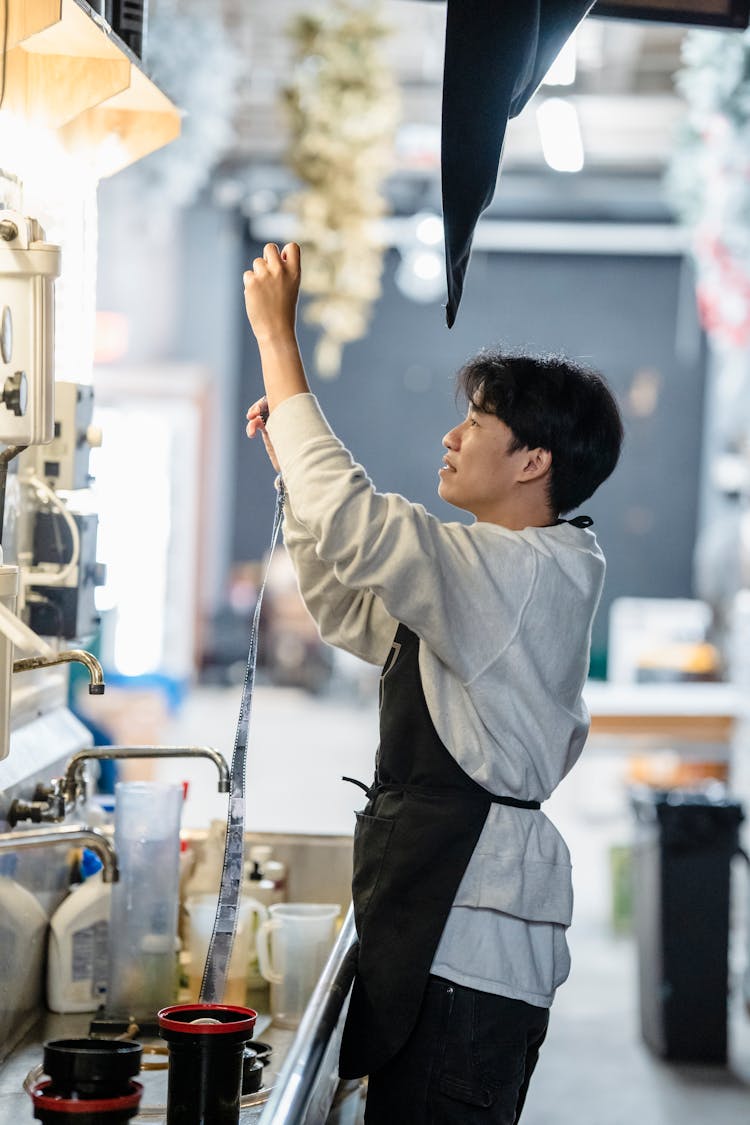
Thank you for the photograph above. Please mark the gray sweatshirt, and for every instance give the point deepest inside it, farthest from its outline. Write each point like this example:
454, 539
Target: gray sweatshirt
504, 622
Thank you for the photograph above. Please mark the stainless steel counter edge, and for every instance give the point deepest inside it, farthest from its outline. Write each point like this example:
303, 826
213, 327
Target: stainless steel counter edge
297, 1078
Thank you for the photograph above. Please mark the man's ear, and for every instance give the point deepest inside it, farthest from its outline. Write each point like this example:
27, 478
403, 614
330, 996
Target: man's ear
537, 463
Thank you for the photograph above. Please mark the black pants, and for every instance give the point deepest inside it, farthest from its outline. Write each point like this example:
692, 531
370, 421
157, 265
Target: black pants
469, 1059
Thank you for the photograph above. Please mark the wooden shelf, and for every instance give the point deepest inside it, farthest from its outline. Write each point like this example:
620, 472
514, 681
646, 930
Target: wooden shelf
666, 713
669, 728
65, 70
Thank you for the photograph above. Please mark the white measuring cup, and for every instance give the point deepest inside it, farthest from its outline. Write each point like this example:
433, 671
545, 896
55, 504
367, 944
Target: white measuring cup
202, 911
293, 945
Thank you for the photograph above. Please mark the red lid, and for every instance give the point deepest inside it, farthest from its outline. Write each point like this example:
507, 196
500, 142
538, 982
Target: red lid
54, 1102
244, 1018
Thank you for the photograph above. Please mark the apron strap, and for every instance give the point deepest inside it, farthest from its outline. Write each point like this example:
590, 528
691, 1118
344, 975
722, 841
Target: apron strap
514, 802
373, 790
361, 784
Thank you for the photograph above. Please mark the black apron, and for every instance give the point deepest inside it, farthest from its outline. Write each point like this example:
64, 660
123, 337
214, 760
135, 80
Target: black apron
412, 844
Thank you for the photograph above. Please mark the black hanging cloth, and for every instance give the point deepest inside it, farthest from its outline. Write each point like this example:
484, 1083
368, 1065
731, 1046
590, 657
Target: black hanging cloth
496, 54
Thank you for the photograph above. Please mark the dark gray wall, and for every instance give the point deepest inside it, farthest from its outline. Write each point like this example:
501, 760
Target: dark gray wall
394, 399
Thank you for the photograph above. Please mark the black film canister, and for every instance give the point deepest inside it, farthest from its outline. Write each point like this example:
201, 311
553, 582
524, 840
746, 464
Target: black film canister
206, 1046
52, 1109
90, 1082
92, 1068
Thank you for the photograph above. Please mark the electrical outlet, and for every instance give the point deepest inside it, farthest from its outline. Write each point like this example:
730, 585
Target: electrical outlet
28, 268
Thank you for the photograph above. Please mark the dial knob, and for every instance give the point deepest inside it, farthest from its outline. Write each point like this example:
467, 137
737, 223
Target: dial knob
94, 436
16, 393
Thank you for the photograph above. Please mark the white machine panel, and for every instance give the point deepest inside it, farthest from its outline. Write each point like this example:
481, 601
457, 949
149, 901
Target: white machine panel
28, 268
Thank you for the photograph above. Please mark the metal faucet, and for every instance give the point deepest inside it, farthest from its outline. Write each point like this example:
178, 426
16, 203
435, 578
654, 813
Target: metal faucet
68, 656
55, 801
67, 834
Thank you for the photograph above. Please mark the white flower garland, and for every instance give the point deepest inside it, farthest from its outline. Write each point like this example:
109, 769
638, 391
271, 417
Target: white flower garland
343, 108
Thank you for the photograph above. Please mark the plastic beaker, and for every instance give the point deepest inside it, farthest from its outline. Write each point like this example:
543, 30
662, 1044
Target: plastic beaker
293, 946
202, 912
143, 926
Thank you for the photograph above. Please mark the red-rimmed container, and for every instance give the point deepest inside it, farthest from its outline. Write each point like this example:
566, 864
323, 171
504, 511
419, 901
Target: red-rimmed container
206, 1044
90, 1082
54, 1109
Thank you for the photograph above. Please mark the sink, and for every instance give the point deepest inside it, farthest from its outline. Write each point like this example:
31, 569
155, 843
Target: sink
15, 1104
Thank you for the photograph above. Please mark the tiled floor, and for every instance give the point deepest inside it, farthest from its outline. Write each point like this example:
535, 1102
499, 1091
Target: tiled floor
594, 1068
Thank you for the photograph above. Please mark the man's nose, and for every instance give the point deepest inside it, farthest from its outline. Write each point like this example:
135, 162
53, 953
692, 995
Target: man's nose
452, 439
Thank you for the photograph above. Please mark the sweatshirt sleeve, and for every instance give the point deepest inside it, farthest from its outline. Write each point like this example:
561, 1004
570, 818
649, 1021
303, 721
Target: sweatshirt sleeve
354, 620
435, 577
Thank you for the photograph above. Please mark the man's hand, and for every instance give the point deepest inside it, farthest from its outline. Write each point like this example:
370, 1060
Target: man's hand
256, 422
271, 291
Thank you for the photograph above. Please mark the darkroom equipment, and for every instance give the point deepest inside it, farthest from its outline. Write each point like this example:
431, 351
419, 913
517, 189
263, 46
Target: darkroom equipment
206, 1054
90, 1082
145, 901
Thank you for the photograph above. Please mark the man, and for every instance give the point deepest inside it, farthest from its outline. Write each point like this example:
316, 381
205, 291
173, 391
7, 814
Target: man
461, 888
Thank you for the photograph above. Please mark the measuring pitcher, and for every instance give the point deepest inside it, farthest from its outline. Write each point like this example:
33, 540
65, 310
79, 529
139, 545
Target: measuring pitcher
293, 946
202, 911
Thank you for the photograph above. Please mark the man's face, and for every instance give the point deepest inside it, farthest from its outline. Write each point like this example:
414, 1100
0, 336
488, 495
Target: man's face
479, 472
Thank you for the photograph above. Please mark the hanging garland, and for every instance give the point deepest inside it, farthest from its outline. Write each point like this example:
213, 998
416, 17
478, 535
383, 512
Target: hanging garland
709, 178
342, 106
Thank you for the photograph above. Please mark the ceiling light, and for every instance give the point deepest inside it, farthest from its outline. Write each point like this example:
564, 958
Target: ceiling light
560, 135
421, 275
429, 228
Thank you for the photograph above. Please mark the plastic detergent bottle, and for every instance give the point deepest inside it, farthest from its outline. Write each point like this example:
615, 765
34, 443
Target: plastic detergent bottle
265, 878
23, 929
78, 952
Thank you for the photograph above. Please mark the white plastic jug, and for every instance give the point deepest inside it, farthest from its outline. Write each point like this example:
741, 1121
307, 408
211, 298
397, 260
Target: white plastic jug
293, 946
202, 912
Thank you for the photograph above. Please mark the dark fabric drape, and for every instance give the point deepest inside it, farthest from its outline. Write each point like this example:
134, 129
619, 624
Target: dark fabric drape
496, 54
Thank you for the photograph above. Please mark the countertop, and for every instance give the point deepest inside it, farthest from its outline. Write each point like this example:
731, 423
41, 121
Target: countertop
669, 712
676, 699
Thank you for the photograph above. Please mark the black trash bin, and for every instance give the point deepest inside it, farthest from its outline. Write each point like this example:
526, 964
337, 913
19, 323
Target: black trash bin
684, 843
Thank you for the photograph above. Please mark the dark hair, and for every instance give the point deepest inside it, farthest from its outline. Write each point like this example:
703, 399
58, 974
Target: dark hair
551, 403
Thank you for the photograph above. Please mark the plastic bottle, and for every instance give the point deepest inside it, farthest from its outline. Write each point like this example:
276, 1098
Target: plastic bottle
275, 872
206, 874
78, 952
265, 878
23, 928
265, 882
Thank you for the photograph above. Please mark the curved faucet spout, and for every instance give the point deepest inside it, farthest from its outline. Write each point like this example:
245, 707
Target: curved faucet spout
67, 834
68, 656
72, 780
